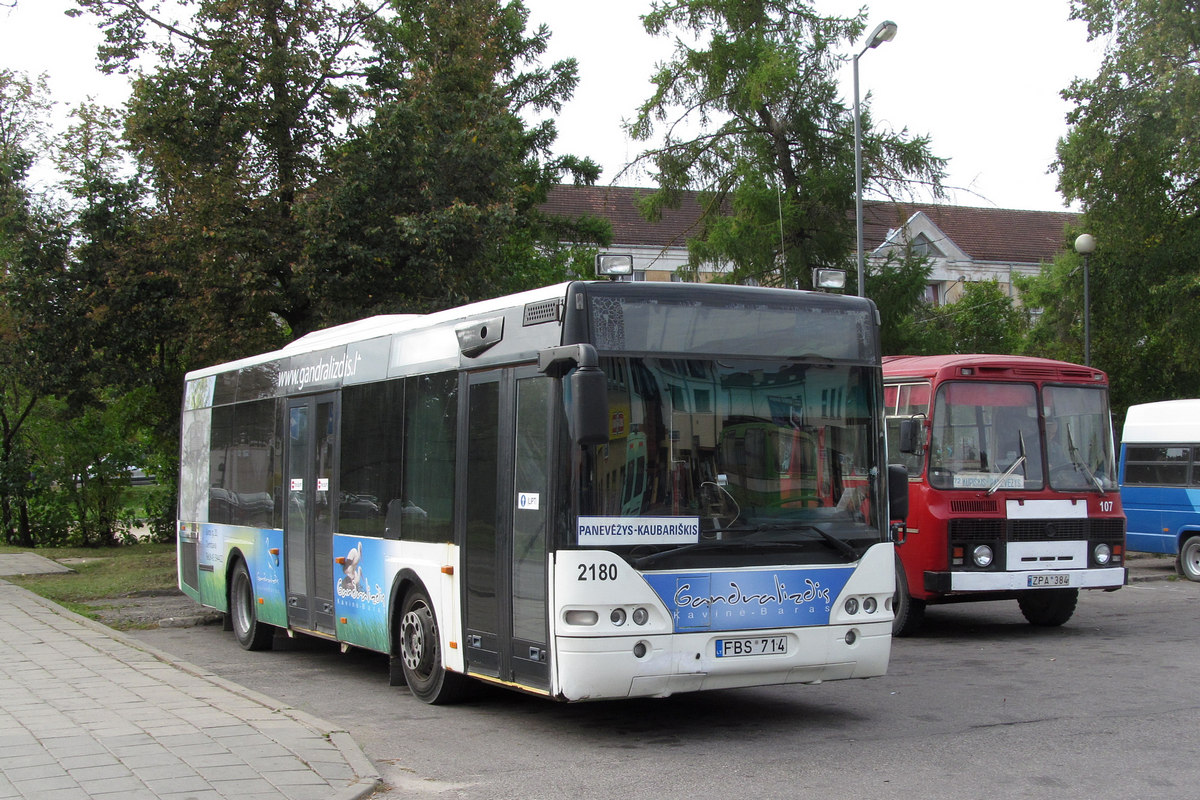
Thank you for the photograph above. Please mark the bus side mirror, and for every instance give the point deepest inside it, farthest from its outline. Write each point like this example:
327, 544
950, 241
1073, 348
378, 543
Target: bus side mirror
589, 406
910, 432
587, 413
897, 491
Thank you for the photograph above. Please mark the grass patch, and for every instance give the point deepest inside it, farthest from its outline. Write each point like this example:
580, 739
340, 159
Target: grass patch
100, 573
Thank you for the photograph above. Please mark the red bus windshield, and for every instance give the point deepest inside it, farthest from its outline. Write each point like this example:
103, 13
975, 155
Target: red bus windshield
986, 436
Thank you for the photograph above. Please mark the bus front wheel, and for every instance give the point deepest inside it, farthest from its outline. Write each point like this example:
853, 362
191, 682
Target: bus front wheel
251, 634
909, 611
1048, 608
420, 653
1188, 563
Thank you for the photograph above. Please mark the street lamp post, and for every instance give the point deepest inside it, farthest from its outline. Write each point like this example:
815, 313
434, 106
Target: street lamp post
1085, 245
884, 32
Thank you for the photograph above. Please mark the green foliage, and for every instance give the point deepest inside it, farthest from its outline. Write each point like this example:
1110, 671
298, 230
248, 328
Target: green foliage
897, 286
1132, 157
229, 123
432, 201
43, 337
753, 119
984, 320
281, 165
83, 469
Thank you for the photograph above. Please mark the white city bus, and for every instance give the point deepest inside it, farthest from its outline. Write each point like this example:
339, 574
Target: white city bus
454, 490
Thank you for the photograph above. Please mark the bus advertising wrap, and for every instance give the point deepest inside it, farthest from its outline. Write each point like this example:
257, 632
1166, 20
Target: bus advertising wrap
734, 601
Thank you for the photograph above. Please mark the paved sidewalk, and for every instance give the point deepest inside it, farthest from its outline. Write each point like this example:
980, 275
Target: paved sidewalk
88, 713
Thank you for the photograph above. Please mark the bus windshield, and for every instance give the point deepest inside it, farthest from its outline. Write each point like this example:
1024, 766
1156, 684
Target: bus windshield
758, 453
1079, 439
986, 437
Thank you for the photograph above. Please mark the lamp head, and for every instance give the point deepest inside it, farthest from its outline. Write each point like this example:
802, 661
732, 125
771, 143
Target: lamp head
884, 32
1085, 244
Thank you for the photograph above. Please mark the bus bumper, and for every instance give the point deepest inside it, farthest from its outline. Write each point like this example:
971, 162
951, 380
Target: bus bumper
607, 667
979, 581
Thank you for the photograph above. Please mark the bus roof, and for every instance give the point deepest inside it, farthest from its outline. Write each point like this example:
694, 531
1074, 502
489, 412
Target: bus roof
985, 365
383, 325
442, 324
1170, 421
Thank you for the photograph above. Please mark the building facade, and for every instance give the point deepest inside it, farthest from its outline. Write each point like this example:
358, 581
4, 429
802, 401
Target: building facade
963, 244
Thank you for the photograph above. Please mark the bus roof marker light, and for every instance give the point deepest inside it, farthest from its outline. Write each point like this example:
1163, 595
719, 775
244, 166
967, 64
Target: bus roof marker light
613, 265
829, 278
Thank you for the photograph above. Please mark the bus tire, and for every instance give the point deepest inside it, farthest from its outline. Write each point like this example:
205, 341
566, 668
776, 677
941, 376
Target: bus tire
243, 616
909, 611
420, 653
1048, 608
1188, 563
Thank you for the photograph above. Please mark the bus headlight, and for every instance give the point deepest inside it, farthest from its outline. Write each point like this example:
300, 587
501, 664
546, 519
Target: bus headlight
852, 605
1102, 554
581, 616
640, 616
869, 605
982, 555
617, 617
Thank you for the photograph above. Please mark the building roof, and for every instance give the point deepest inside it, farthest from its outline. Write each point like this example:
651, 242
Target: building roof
984, 234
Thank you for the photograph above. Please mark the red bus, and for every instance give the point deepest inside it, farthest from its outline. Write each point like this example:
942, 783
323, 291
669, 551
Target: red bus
1012, 484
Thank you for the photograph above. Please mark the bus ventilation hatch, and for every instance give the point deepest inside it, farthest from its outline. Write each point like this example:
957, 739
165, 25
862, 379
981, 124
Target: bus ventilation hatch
973, 506
542, 311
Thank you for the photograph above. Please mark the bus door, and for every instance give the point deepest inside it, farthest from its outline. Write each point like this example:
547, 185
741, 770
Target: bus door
505, 508
309, 478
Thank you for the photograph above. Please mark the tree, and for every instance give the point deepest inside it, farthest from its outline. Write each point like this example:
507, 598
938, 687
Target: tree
1132, 158
45, 334
432, 202
753, 119
229, 123
983, 320
137, 309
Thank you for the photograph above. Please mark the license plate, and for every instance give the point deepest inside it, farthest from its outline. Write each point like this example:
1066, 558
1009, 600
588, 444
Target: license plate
761, 646
1053, 579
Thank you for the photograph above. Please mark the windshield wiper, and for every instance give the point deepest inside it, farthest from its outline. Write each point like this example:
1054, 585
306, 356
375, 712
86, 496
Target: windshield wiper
1020, 460
750, 542
798, 527
718, 544
1073, 453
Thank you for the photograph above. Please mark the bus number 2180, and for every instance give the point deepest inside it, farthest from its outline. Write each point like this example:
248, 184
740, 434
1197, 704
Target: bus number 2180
597, 572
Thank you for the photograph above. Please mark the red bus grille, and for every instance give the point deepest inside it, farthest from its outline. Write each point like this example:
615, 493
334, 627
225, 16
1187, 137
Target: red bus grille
1036, 530
976, 530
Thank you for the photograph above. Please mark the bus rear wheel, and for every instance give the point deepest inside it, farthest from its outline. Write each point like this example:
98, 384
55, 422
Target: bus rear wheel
1188, 563
1048, 608
420, 653
251, 634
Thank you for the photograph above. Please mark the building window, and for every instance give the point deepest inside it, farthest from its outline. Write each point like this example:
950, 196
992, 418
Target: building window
921, 245
933, 294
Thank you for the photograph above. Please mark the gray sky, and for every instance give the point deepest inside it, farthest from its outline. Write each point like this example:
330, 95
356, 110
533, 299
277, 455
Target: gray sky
984, 83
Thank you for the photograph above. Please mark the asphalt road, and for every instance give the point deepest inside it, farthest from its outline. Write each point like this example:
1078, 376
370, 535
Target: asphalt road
981, 705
